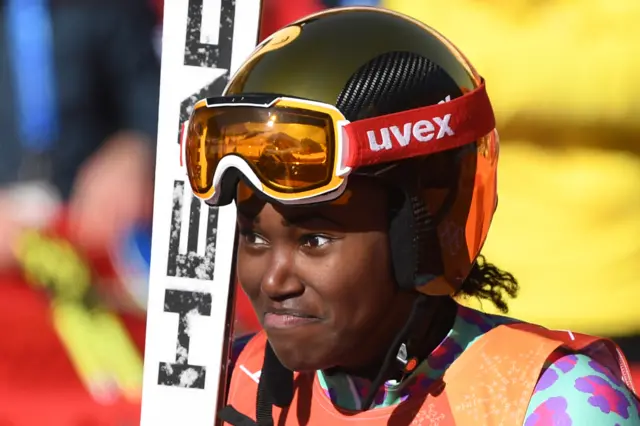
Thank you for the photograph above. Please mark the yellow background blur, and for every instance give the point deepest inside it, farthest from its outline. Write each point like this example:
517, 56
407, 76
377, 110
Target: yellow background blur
564, 78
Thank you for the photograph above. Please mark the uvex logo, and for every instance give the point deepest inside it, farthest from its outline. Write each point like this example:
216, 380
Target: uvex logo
422, 131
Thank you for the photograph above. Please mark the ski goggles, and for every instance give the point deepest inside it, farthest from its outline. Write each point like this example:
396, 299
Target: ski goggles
297, 151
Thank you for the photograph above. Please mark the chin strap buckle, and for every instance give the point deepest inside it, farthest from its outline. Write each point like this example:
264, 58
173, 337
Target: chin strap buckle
409, 364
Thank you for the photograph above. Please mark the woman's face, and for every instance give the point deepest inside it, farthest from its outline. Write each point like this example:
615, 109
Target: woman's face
320, 279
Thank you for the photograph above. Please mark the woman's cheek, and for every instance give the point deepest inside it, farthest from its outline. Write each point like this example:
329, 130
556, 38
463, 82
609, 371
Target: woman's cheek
249, 275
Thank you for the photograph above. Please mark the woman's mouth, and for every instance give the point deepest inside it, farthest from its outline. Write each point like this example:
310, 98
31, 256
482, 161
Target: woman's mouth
275, 320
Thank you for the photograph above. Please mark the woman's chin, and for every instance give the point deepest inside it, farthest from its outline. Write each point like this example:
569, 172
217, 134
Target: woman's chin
301, 361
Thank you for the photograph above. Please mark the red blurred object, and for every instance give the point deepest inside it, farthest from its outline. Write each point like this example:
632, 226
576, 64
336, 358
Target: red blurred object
278, 13
38, 383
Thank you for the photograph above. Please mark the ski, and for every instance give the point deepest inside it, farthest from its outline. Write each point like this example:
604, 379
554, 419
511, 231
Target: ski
191, 282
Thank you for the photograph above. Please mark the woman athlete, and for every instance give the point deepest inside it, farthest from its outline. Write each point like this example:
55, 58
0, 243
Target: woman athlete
360, 148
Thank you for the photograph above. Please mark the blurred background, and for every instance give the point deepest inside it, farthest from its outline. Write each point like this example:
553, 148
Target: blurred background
76, 183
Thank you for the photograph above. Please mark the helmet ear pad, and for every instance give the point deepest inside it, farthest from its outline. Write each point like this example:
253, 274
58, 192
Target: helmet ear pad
413, 240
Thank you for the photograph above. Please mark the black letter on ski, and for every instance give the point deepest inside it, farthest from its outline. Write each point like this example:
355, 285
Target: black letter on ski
190, 264
197, 54
181, 373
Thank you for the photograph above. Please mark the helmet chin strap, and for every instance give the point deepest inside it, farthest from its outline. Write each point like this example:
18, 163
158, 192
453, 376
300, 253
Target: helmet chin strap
395, 350
408, 349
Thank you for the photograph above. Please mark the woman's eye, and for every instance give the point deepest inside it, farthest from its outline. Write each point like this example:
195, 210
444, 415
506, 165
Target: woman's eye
253, 239
316, 241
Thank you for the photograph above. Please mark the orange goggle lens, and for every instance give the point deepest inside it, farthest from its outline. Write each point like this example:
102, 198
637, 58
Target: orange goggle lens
289, 149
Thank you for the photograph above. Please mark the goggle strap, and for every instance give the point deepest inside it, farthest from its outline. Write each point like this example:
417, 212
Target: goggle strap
420, 131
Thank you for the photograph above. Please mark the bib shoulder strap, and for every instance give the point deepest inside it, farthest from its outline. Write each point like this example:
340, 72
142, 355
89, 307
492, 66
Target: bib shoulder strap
492, 381
604, 351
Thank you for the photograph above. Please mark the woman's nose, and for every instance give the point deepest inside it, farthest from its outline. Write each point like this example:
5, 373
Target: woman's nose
280, 282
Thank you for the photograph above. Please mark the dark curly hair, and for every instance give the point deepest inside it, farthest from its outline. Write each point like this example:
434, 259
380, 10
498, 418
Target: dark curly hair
488, 282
